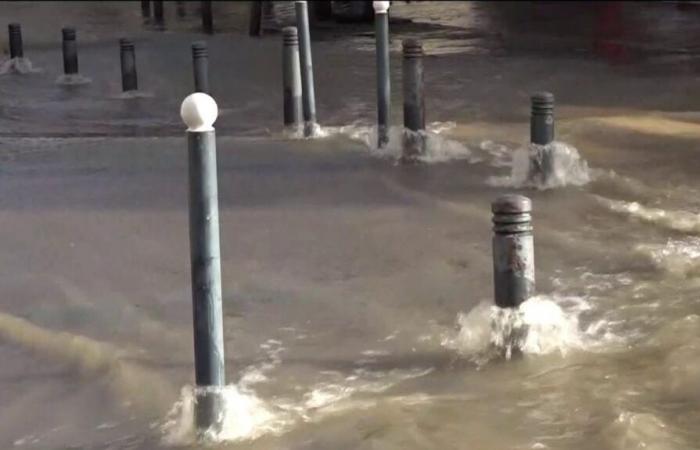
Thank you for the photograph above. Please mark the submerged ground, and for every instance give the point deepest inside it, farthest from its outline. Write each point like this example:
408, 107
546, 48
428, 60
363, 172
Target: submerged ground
356, 290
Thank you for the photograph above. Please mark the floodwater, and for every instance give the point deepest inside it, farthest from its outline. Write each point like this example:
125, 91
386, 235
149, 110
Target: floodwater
357, 291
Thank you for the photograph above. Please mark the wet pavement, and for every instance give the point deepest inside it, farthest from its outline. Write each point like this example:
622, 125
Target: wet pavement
357, 290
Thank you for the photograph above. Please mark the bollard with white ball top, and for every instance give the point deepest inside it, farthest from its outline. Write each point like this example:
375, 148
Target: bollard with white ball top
199, 112
381, 18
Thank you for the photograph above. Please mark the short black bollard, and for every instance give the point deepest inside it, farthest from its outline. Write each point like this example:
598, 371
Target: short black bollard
16, 48
381, 18
180, 9
413, 100
513, 251
70, 51
145, 8
291, 78
158, 12
199, 112
200, 63
128, 62
542, 118
255, 23
307, 71
207, 19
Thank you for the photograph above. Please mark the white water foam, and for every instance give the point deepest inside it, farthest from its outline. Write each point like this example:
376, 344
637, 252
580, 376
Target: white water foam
680, 257
683, 221
542, 167
133, 94
73, 80
540, 325
18, 65
438, 149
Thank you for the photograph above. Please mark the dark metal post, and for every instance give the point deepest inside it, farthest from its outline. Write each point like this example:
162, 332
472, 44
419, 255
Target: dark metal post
291, 78
200, 62
381, 17
158, 12
145, 8
180, 9
207, 20
542, 118
205, 260
70, 52
513, 250
413, 100
307, 71
255, 24
128, 60
16, 48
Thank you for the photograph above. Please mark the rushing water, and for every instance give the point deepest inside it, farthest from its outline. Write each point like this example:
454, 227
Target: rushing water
357, 291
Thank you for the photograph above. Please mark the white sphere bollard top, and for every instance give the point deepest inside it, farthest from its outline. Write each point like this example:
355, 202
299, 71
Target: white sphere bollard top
381, 7
199, 112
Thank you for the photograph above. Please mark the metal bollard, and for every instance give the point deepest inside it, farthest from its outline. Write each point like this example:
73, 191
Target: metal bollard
381, 18
128, 62
413, 100
513, 251
291, 78
199, 112
70, 51
207, 20
307, 71
158, 12
180, 9
145, 8
16, 48
255, 24
200, 62
542, 118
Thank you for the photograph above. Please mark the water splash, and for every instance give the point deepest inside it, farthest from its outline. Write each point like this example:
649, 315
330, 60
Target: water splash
73, 80
679, 257
544, 167
683, 221
18, 65
540, 325
438, 149
134, 94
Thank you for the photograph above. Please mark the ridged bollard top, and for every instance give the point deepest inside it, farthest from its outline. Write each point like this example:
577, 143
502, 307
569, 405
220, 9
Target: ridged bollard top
199, 49
126, 44
14, 28
511, 204
68, 34
199, 112
381, 7
412, 48
290, 36
542, 100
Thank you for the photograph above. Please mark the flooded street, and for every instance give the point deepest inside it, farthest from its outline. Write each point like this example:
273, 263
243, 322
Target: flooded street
357, 291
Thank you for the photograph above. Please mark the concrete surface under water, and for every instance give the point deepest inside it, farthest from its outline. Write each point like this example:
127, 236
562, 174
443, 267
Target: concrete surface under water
357, 291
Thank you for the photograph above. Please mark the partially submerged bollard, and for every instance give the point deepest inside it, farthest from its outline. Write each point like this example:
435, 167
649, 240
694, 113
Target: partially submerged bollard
15, 35
381, 17
413, 100
200, 63
291, 79
542, 118
307, 72
199, 112
145, 9
70, 52
513, 250
128, 64
207, 19
158, 13
255, 23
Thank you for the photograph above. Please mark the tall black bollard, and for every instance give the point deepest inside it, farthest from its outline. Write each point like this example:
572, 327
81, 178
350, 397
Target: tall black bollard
180, 9
199, 113
70, 52
307, 71
158, 12
200, 63
207, 19
413, 100
145, 8
381, 17
542, 118
255, 24
15, 35
291, 78
128, 62
513, 251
